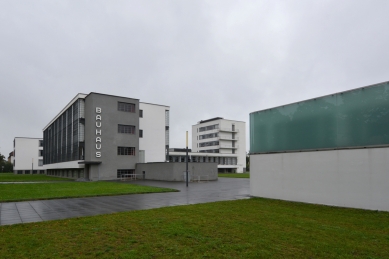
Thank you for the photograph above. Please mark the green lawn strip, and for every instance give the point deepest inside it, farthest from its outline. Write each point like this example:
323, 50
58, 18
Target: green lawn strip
235, 175
10, 177
254, 228
41, 191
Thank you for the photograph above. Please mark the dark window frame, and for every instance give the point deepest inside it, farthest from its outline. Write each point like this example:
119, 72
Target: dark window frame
126, 151
126, 107
126, 129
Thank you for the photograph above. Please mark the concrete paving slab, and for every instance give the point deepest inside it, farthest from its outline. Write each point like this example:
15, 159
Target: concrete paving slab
203, 192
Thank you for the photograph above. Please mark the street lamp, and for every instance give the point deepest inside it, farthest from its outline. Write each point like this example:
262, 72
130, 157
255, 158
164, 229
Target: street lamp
187, 159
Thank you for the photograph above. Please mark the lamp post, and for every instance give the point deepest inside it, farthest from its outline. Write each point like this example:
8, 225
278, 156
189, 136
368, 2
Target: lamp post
32, 166
187, 159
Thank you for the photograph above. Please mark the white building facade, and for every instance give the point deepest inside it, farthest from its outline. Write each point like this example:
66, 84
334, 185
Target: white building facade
226, 138
28, 156
153, 132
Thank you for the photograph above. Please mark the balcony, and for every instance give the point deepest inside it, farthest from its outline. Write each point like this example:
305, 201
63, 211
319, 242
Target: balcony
228, 138
228, 146
228, 130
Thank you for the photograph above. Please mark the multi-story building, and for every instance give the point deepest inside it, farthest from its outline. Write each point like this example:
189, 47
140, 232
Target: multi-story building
226, 138
97, 137
28, 156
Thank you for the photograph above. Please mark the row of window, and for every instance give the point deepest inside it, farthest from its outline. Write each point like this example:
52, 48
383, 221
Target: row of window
205, 159
210, 151
211, 135
211, 127
121, 173
29, 171
210, 143
126, 151
128, 107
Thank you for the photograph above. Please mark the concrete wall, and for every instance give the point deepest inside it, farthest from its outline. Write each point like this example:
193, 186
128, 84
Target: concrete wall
27, 154
110, 138
357, 178
175, 171
153, 125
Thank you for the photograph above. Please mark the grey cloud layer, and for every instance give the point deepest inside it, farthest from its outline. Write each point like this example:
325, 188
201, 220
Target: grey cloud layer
203, 58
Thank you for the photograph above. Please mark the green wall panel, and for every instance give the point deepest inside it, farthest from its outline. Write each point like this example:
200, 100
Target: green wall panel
355, 118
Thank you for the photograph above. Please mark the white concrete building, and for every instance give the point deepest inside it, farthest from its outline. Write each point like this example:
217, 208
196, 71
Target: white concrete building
227, 138
153, 132
28, 156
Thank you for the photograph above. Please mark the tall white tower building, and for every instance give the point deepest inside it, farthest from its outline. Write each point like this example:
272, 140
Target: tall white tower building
218, 135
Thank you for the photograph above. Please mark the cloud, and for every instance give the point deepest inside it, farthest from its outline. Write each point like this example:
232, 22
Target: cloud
202, 58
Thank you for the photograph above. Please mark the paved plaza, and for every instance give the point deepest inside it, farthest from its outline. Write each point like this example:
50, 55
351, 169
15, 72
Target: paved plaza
36, 211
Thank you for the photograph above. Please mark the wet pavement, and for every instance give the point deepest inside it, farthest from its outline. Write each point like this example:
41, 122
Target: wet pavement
43, 210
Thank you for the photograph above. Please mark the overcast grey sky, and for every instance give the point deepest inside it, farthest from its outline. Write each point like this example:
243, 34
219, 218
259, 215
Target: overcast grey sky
202, 58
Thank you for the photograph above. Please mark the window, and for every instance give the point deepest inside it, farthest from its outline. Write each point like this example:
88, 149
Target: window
126, 107
141, 133
210, 151
41, 171
128, 129
212, 127
211, 135
125, 172
26, 171
140, 113
126, 151
40, 162
210, 143
40, 152
41, 143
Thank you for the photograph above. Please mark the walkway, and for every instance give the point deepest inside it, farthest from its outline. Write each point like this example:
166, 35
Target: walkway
36, 211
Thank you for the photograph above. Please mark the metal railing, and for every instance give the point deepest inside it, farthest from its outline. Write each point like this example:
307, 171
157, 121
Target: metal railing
228, 129
228, 138
130, 177
228, 146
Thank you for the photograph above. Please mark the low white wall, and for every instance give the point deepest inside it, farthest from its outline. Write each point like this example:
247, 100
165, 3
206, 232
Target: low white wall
357, 178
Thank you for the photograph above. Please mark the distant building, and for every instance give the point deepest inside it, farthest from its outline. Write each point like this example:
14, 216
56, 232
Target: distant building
217, 140
102, 137
11, 157
28, 156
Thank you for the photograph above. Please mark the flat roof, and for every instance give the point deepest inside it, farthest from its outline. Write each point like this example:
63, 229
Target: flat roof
156, 104
202, 154
112, 95
213, 119
83, 96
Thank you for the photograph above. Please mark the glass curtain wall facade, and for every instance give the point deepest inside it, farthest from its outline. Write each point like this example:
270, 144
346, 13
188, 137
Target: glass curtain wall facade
356, 118
63, 140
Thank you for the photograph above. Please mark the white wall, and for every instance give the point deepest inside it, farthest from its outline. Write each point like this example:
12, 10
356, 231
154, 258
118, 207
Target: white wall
357, 178
153, 126
26, 152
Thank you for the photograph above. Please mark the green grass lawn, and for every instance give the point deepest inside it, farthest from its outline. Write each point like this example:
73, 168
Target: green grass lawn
11, 177
39, 191
254, 228
243, 175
